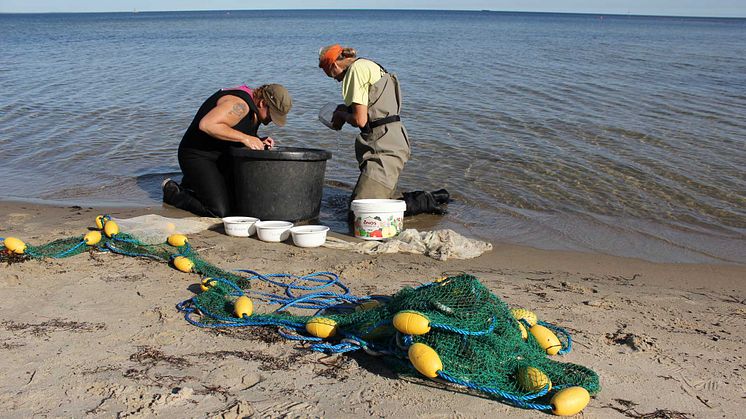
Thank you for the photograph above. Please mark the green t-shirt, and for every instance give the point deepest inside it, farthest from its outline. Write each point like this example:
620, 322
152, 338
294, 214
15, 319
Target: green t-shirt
357, 81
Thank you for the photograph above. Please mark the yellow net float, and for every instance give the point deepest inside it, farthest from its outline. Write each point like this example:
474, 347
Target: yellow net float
321, 327
207, 283
411, 322
546, 339
111, 228
177, 240
101, 221
14, 245
425, 360
522, 313
522, 328
92, 237
532, 379
184, 264
570, 401
243, 306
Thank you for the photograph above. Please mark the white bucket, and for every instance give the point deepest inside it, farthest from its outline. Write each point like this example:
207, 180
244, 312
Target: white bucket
378, 219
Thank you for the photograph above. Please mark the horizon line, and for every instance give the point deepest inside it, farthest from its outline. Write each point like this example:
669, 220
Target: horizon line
135, 11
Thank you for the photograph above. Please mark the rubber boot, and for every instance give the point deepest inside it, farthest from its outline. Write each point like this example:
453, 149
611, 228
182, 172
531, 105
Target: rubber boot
175, 195
441, 196
421, 202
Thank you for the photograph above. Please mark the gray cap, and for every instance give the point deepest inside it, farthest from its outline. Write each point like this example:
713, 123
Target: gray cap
279, 101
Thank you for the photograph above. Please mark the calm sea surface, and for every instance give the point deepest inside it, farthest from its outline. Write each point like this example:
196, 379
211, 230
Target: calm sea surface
619, 134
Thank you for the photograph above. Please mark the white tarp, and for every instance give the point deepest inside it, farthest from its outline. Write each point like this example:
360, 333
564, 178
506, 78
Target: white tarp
154, 229
438, 244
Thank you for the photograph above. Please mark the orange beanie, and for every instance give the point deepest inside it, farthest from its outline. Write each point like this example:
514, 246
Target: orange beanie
330, 55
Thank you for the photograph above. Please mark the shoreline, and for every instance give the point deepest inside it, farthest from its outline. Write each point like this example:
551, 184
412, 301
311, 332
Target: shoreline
660, 336
420, 222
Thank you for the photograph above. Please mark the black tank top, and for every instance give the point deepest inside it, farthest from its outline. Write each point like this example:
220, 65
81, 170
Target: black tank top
196, 139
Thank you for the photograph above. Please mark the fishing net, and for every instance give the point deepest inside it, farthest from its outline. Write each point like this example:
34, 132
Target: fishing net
454, 329
123, 244
477, 341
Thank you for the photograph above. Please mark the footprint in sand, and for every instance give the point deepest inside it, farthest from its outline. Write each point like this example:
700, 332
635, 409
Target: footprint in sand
709, 385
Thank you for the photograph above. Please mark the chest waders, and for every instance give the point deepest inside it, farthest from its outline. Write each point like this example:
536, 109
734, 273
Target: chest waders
382, 147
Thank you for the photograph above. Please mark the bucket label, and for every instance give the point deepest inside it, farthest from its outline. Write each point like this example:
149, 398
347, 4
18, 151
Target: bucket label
377, 226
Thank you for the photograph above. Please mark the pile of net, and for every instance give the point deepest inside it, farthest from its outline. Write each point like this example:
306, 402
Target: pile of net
453, 330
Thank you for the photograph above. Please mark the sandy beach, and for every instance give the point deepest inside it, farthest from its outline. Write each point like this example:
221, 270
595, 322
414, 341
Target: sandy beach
98, 334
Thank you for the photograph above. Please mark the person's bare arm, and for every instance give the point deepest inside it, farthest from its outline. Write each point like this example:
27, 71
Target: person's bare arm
356, 115
219, 122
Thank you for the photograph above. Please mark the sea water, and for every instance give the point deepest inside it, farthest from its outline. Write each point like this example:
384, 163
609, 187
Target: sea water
623, 135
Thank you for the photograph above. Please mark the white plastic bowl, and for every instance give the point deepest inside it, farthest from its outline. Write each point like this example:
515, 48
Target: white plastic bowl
309, 236
240, 226
273, 231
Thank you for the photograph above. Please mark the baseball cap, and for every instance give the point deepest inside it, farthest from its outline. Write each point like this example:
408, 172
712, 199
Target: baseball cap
279, 101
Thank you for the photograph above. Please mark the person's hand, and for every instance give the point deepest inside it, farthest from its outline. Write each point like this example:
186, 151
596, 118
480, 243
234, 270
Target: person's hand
338, 118
268, 142
253, 143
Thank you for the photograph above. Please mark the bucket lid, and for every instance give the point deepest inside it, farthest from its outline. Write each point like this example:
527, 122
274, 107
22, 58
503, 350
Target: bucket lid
378, 205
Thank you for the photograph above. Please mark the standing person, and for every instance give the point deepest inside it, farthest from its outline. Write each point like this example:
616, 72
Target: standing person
228, 118
372, 103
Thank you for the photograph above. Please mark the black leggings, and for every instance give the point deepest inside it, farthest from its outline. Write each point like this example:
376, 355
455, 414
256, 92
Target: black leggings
207, 187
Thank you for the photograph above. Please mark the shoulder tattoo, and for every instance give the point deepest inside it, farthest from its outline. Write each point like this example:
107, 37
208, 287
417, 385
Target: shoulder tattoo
239, 109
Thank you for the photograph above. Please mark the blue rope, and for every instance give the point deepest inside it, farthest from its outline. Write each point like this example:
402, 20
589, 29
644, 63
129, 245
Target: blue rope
520, 401
326, 279
338, 348
464, 332
72, 249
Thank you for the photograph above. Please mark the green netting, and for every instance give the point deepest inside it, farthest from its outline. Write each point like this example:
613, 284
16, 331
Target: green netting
472, 331
124, 244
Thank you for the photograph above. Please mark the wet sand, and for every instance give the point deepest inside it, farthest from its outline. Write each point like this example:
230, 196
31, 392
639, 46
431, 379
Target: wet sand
98, 334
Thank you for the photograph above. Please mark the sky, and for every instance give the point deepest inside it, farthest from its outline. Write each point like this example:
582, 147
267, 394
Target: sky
710, 8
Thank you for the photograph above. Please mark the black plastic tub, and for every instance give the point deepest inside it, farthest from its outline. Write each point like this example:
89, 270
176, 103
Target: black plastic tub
284, 183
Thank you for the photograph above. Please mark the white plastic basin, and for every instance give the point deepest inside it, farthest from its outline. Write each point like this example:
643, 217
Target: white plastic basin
239, 226
309, 236
273, 231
